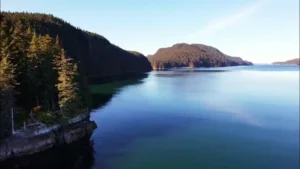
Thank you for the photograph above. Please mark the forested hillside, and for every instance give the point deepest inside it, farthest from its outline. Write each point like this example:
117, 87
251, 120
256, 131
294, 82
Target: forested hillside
45, 65
194, 55
97, 54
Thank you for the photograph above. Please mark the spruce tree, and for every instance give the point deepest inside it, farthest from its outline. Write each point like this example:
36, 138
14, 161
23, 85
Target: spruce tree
48, 75
3, 35
28, 36
19, 45
6, 78
33, 72
25, 98
7, 91
68, 91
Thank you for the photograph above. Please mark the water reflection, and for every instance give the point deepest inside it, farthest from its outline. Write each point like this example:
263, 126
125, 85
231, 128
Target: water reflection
78, 155
171, 75
181, 73
114, 139
206, 71
104, 92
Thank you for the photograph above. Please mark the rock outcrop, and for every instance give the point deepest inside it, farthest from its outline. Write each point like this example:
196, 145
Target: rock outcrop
23, 146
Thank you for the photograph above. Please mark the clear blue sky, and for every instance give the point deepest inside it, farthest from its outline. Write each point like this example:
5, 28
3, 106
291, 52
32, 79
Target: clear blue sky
261, 31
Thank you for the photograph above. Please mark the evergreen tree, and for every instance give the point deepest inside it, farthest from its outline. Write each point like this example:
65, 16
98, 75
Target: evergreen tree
6, 39
25, 98
68, 91
33, 69
35, 72
19, 44
49, 76
28, 36
18, 51
7, 92
7, 79
3, 35
57, 48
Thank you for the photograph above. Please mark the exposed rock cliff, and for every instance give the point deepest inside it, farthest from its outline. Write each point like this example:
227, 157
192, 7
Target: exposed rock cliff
22, 146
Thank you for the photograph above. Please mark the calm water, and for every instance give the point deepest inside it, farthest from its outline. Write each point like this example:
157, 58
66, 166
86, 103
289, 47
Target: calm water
235, 118
229, 118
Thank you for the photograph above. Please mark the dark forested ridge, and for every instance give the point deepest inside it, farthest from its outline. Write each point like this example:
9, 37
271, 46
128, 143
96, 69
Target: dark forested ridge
96, 54
192, 55
46, 65
295, 61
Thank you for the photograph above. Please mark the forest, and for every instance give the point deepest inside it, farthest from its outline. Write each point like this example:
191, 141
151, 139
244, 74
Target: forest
46, 64
36, 75
97, 55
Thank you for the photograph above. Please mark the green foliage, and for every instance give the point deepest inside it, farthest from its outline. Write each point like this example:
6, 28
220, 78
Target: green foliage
97, 56
33, 68
69, 99
7, 92
7, 76
47, 117
7, 70
35, 72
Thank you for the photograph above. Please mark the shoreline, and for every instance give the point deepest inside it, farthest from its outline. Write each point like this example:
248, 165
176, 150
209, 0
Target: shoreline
28, 143
189, 67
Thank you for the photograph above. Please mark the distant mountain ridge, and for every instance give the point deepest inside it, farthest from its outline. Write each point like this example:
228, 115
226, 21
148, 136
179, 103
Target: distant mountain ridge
295, 61
192, 55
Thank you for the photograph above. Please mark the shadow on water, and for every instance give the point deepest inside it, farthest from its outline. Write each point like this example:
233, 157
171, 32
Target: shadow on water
78, 155
116, 144
103, 92
118, 77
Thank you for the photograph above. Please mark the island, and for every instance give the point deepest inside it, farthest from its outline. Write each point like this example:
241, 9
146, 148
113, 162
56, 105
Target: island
295, 61
192, 55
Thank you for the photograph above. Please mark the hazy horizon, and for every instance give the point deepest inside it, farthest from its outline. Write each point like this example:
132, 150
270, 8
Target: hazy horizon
260, 31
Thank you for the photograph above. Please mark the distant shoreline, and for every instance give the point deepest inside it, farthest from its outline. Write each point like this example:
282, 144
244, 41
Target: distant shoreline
155, 69
288, 62
285, 64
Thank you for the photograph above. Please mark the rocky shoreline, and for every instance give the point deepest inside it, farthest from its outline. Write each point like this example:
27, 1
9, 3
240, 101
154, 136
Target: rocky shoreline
27, 144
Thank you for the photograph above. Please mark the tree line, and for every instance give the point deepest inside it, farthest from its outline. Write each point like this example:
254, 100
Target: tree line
36, 74
33, 63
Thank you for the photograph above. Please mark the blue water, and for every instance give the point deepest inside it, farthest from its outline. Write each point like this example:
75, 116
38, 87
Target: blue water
210, 118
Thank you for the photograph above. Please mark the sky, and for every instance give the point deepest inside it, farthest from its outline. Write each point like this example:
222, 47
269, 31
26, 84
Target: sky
261, 31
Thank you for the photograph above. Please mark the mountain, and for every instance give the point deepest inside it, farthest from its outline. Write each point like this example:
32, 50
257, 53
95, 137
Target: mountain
192, 55
97, 55
288, 62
